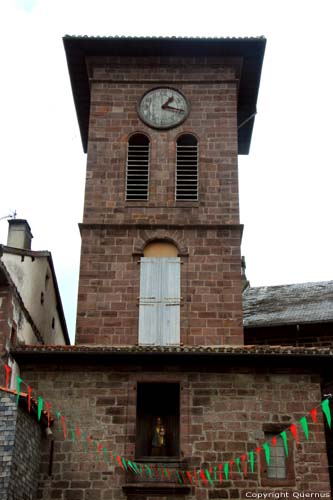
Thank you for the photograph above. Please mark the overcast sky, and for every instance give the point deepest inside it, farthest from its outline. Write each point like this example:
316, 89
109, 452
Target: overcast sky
285, 182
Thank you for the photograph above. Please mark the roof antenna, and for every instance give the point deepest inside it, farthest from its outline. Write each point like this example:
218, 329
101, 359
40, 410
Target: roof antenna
11, 215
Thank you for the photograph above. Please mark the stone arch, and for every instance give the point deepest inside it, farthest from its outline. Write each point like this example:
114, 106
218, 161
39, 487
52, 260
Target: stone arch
148, 236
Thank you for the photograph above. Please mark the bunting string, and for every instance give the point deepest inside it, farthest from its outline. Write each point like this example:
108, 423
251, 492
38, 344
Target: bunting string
206, 477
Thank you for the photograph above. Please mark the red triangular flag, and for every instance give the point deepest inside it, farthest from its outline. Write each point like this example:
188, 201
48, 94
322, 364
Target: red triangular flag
244, 466
293, 430
203, 477
64, 429
29, 398
8, 372
182, 476
274, 440
120, 462
313, 414
189, 476
220, 473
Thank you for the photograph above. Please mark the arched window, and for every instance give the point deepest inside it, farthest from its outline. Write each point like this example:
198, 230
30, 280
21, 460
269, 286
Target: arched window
137, 167
187, 168
159, 312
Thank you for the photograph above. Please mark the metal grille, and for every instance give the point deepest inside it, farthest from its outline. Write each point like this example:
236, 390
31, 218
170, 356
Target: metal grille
187, 168
137, 168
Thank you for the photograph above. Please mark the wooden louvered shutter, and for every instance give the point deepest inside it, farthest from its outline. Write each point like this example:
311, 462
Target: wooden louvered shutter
159, 313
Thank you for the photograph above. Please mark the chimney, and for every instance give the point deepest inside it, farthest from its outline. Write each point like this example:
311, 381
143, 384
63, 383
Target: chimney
19, 234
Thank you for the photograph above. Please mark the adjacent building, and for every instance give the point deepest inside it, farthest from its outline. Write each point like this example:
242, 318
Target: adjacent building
30, 307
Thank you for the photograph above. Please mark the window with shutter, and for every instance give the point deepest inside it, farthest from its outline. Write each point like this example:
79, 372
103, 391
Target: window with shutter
159, 309
187, 168
137, 167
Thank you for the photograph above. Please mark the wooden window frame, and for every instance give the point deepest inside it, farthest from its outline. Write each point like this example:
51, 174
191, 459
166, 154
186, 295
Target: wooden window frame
290, 469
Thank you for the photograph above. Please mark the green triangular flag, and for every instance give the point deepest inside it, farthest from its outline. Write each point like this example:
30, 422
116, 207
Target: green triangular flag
58, 414
133, 466
179, 478
327, 411
73, 434
226, 470
208, 477
251, 460
40, 407
267, 453
237, 460
285, 441
105, 453
18, 388
304, 424
148, 469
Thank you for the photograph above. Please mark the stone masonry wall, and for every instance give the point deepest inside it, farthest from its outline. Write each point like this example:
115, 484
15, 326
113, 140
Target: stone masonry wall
209, 238
117, 85
306, 335
20, 445
8, 416
223, 412
211, 310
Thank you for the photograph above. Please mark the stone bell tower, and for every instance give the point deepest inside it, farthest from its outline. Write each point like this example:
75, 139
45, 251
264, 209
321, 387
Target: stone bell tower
163, 122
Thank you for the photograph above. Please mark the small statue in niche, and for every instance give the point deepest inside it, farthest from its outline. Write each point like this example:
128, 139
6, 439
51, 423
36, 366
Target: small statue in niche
158, 445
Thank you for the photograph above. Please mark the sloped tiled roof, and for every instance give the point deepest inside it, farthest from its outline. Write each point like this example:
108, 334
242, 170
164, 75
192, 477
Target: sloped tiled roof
288, 304
27, 351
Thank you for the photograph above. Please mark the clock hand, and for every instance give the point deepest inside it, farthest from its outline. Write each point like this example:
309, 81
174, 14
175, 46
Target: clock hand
171, 108
165, 105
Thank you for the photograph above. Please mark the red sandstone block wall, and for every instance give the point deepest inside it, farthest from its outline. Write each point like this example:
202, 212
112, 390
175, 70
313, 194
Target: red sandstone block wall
211, 310
222, 416
116, 88
211, 313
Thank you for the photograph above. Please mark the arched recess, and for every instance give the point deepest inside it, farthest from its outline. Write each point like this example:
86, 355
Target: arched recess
160, 249
159, 303
175, 238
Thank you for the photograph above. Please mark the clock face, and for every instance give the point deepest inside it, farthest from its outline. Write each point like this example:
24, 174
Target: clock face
163, 108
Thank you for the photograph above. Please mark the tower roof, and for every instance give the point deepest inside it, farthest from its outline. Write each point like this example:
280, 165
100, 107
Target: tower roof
250, 50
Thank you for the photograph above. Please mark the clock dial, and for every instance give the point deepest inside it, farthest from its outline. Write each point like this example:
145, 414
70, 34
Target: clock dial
163, 108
